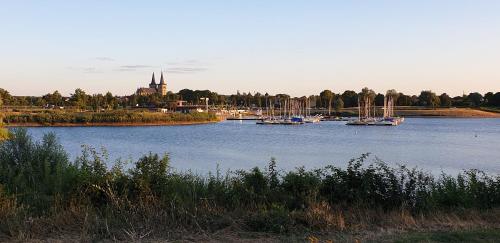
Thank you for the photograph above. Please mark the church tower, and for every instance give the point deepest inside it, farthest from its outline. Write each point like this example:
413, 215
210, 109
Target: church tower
162, 87
153, 85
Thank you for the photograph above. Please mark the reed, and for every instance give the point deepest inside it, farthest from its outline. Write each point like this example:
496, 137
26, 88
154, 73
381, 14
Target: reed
44, 193
110, 117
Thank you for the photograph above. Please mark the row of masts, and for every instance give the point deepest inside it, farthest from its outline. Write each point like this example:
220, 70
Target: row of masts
290, 112
289, 108
367, 111
298, 111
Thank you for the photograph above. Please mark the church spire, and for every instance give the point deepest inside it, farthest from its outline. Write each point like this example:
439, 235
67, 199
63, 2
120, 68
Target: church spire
162, 81
153, 79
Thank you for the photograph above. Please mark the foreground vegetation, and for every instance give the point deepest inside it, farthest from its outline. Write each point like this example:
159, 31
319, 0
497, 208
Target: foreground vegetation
51, 117
44, 194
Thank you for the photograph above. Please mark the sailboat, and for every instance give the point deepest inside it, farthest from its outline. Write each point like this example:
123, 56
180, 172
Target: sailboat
309, 118
389, 119
282, 120
364, 117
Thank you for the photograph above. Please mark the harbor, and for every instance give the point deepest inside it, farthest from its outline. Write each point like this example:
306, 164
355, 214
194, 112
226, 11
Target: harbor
290, 112
299, 111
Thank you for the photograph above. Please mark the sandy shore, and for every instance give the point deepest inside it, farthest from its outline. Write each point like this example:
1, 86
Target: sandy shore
453, 113
438, 112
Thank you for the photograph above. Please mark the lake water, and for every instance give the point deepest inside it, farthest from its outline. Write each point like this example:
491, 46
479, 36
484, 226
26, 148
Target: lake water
433, 144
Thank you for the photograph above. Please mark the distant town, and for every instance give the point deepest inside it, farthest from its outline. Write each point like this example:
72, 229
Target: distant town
157, 96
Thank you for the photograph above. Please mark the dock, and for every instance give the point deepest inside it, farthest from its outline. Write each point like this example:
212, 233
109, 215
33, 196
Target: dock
244, 118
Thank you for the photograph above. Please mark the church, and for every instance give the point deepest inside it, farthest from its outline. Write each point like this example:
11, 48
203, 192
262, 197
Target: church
154, 88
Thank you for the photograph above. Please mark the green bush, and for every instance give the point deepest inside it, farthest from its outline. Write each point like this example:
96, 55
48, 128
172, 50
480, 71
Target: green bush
37, 172
276, 220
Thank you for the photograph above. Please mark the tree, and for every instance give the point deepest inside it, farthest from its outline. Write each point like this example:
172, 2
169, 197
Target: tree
492, 99
312, 101
257, 99
5, 97
488, 97
367, 93
79, 99
379, 99
109, 101
97, 101
445, 100
187, 95
326, 97
475, 99
404, 100
496, 99
338, 104
366, 98
428, 98
55, 99
350, 98
393, 94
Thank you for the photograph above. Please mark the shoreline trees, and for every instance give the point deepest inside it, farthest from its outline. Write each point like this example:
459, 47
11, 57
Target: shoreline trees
327, 99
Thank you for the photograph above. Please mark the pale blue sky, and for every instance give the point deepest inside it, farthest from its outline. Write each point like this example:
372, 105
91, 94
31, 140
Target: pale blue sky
295, 47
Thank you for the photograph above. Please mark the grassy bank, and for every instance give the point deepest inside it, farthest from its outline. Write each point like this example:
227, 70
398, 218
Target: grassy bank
113, 118
43, 194
449, 112
490, 109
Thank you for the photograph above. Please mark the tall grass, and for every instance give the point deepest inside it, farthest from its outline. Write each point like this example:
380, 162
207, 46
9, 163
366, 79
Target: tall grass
4, 133
52, 117
42, 192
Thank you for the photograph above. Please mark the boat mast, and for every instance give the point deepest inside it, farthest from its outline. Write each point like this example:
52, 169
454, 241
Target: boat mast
359, 110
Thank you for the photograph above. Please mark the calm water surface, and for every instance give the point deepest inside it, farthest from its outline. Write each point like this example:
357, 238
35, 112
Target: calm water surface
441, 144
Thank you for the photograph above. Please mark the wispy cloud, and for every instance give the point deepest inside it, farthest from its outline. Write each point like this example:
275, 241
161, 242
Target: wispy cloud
128, 68
91, 70
135, 66
178, 67
186, 66
85, 69
185, 69
104, 59
187, 62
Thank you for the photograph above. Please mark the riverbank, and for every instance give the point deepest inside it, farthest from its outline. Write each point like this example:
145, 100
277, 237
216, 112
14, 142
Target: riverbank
46, 196
112, 124
109, 118
448, 112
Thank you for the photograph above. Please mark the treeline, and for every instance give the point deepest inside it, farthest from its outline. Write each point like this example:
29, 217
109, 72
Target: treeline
83, 101
326, 99
108, 117
43, 192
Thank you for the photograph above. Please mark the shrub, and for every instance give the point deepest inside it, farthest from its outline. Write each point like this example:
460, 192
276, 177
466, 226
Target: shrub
275, 220
36, 171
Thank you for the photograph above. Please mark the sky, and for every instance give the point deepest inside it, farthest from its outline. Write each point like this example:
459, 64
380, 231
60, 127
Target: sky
280, 46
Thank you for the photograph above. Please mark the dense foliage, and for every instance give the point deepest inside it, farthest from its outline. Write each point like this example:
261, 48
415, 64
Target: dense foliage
37, 178
327, 99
